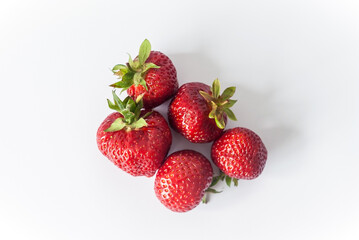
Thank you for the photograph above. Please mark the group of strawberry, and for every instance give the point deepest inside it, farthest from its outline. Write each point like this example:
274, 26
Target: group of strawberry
137, 139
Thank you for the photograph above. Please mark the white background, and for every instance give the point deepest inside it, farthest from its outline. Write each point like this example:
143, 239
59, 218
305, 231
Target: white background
296, 68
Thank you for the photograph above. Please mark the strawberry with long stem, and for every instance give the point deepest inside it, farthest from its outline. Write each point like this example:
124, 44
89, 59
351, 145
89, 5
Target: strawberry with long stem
239, 154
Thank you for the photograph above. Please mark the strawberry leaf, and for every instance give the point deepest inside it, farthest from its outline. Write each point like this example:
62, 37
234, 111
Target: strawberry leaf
117, 125
222, 176
126, 82
228, 93
147, 114
139, 98
145, 50
138, 108
216, 88
219, 121
204, 199
124, 102
130, 104
211, 190
130, 64
130, 111
149, 66
128, 116
220, 104
139, 123
235, 181
118, 68
137, 78
206, 96
128, 77
228, 180
213, 112
143, 83
118, 101
134, 70
230, 114
214, 181
229, 103
112, 106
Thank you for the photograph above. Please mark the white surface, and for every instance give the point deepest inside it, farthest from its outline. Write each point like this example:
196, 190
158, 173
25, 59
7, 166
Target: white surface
295, 65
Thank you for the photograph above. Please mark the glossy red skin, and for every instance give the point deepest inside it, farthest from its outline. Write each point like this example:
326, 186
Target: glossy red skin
188, 114
138, 152
181, 181
161, 82
239, 153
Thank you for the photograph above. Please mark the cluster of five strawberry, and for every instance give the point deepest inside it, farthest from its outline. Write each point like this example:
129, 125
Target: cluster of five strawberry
137, 139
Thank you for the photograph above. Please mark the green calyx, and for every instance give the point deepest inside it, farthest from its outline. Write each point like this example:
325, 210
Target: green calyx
220, 104
130, 111
134, 71
223, 177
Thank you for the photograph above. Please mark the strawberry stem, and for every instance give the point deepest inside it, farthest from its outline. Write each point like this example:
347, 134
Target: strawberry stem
223, 177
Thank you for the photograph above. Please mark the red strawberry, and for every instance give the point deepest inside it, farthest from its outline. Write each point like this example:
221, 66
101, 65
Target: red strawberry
181, 181
199, 113
136, 141
151, 73
239, 153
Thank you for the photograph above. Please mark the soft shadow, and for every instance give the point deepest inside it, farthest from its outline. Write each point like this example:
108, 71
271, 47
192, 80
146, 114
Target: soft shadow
262, 113
258, 110
262, 110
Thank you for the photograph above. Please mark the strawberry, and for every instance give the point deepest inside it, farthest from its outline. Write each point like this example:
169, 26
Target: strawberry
181, 181
199, 112
135, 140
240, 154
151, 73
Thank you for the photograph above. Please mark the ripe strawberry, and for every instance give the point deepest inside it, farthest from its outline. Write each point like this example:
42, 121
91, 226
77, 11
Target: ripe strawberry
136, 141
240, 154
199, 113
181, 181
151, 73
